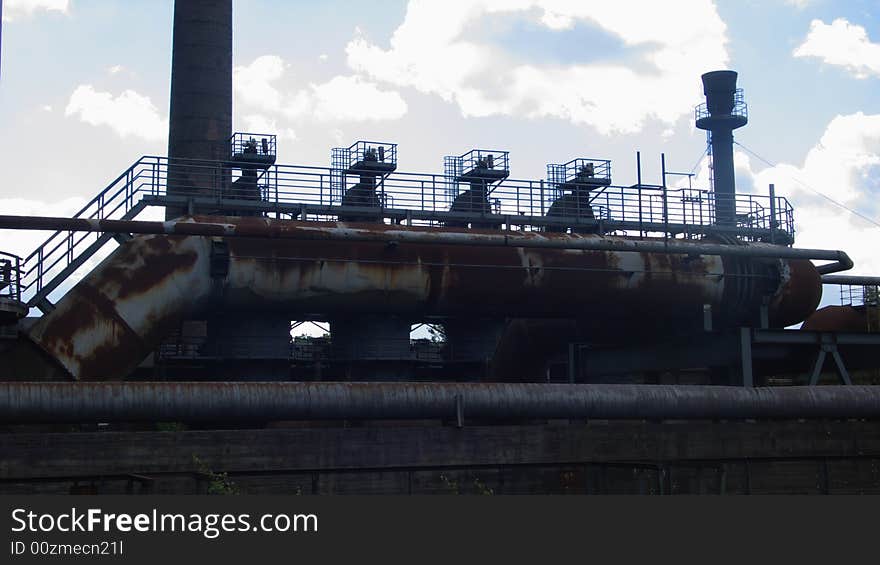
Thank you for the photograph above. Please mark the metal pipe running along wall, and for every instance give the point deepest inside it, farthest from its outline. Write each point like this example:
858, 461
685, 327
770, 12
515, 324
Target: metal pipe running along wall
266, 228
855, 280
260, 402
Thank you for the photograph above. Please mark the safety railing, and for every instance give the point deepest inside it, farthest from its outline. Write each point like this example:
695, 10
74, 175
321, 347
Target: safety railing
292, 191
866, 297
483, 159
580, 172
860, 295
10, 276
486, 163
242, 144
377, 152
121, 199
740, 108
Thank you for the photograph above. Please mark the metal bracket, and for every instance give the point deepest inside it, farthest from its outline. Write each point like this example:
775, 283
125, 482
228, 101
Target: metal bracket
45, 306
122, 237
828, 346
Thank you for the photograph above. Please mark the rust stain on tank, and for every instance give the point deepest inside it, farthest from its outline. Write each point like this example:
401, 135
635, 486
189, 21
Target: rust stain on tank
165, 259
72, 337
111, 320
462, 279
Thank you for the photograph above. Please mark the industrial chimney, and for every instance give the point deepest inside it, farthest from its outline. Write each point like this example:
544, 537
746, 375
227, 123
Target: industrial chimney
724, 111
201, 94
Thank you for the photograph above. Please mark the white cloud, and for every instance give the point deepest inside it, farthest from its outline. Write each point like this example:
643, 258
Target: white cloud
841, 165
253, 83
432, 52
342, 98
842, 44
350, 98
799, 4
129, 114
13, 9
258, 123
115, 69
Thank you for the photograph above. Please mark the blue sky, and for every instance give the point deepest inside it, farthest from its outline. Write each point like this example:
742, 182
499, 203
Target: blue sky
85, 83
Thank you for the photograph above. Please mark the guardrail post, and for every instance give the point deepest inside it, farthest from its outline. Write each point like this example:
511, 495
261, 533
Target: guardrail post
433, 193
542, 196
639, 184
40, 269
665, 203
772, 213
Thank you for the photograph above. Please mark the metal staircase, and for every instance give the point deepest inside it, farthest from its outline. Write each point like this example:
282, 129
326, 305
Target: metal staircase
51, 263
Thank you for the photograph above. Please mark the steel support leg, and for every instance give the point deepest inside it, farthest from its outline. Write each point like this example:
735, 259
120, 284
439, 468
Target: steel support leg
844, 374
745, 335
817, 368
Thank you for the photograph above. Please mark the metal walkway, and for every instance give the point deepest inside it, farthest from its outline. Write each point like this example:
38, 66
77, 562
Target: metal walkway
313, 193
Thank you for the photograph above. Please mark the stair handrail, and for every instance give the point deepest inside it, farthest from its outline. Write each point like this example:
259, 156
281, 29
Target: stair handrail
34, 267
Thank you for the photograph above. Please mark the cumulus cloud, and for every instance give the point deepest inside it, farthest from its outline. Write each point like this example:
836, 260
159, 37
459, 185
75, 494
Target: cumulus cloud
129, 114
258, 123
435, 51
13, 9
342, 98
842, 44
253, 83
843, 165
350, 98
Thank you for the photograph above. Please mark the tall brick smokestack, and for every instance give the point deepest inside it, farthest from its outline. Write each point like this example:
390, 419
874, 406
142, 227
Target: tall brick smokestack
201, 93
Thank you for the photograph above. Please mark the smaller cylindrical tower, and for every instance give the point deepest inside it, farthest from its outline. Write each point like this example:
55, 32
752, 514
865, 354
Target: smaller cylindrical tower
724, 111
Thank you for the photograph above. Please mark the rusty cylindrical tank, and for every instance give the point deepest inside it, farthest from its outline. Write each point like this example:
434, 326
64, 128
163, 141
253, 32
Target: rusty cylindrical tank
116, 314
838, 319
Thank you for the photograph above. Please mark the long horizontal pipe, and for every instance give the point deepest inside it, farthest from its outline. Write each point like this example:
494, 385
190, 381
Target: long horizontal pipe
850, 279
26, 402
344, 232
